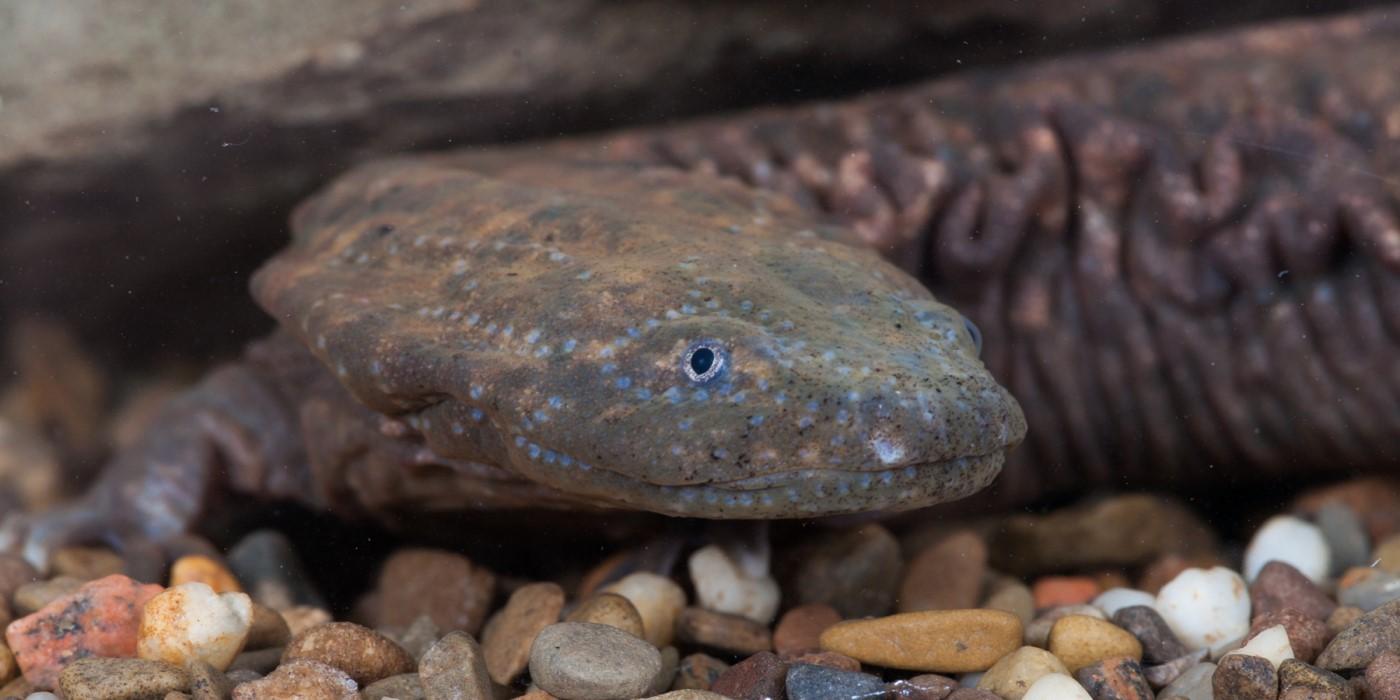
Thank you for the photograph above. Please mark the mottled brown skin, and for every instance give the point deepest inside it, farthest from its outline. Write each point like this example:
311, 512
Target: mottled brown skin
1185, 259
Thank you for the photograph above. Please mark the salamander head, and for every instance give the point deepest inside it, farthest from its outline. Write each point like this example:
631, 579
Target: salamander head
663, 342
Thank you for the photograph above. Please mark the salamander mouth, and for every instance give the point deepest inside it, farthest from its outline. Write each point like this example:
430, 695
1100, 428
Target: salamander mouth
808, 493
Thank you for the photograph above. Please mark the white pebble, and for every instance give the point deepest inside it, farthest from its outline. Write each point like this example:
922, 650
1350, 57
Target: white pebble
191, 621
721, 586
1115, 599
1206, 609
1056, 686
659, 601
41, 696
1271, 644
1292, 540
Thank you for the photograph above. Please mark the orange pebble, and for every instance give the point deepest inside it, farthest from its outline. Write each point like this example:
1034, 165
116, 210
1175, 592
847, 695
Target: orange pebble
199, 568
1053, 591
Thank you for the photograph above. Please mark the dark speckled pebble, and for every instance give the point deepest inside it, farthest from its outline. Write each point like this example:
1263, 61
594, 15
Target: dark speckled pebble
1300, 681
1245, 677
207, 682
1159, 645
1383, 676
1162, 675
812, 682
928, 686
1118, 678
120, 679
1354, 647
1280, 586
760, 676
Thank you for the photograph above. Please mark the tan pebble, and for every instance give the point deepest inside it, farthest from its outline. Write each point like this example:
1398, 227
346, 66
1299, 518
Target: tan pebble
32, 596
1080, 640
419, 636
190, 622
405, 686
508, 635
177, 695
8, 667
1016, 672
938, 641
698, 672
1038, 632
670, 664
592, 662
269, 629
302, 680
732, 633
17, 688
800, 628
817, 657
455, 667
536, 694
362, 653
658, 599
1386, 554
610, 609
1343, 617
197, 567
689, 694
447, 587
261, 662
207, 682
85, 563
1009, 594
108, 679
300, 618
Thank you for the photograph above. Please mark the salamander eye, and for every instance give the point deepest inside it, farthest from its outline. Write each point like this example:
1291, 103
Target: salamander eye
975, 332
704, 361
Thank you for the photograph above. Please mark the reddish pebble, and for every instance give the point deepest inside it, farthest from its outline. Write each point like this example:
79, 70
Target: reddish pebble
101, 619
829, 659
801, 628
1306, 635
1278, 585
1054, 591
760, 676
1383, 675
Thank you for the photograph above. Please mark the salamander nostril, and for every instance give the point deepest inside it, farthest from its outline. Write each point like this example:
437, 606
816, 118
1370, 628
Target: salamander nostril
975, 333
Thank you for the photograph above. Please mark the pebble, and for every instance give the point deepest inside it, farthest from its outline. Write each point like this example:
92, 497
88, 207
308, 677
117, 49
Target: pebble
1291, 540
1271, 644
415, 640
85, 563
855, 571
15, 572
927, 686
688, 694
1038, 632
1118, 678
972, 694
1306, 636
508, 635
1206, 608
207, 682
588, 661
362, 653
193, 568
455, 669
100, 619
658, 600
1278, 585
829, 659
1346, 536
698, 671
267, 629
120, 679
1354, 647
1386, 555
303, 680
722, 585
731, 633
1244, 677
1056, 686
405, 686
1343, 617
762, 676
1126, 530
1080, 640
1012, 675
801, 628
1055, 591
1308, 681
1159, 643
670, 663
811, 682
31, 597
260, 662
1115, 599
271, 571
1370, 590
1194, 683
1164, 674
1383, 676
610, 609
945, 576
300, 618
1009, 594
939, 641
191, 622
445, 586
9, 668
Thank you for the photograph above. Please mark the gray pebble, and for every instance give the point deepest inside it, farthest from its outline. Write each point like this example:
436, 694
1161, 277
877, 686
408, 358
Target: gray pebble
455, 669
405, 686
812, 682
271, 571
1159, 644
1377, 590
589, 661
207, 682
1346, 537
1194, 684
